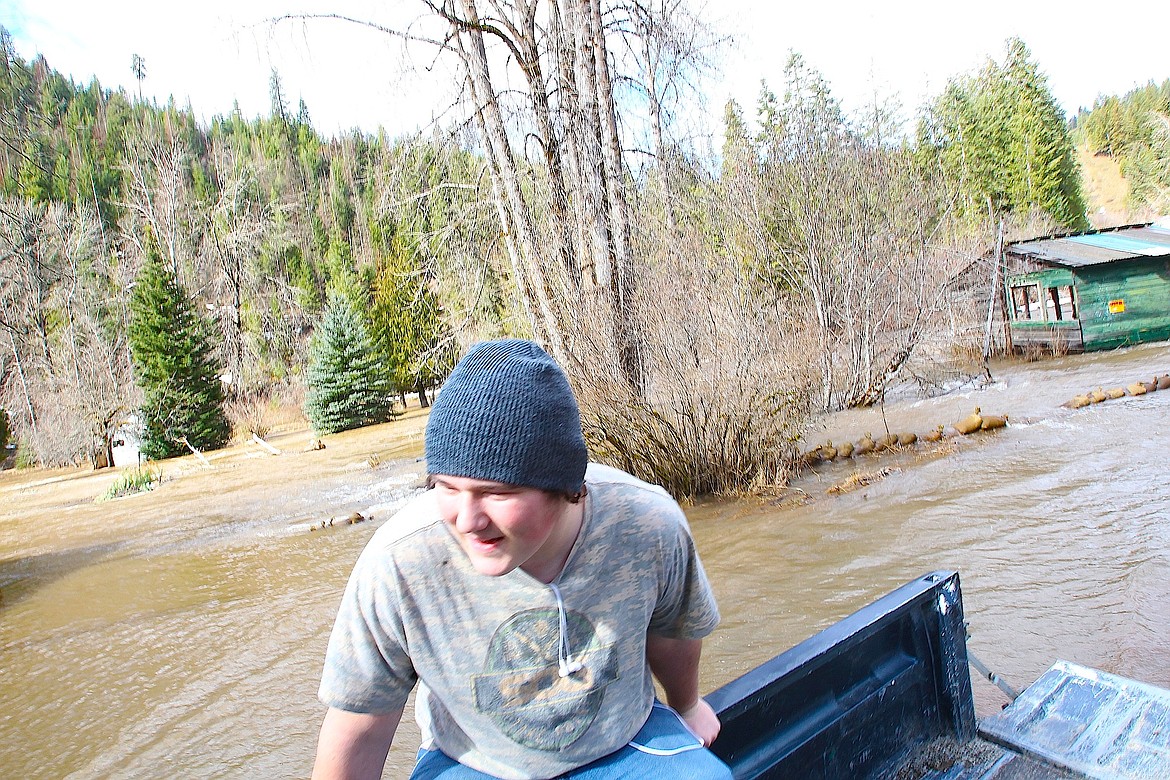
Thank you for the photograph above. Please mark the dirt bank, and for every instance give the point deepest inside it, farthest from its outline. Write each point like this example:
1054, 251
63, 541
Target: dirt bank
50, 510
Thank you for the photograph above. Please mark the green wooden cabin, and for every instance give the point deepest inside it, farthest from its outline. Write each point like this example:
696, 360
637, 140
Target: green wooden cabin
1089, 291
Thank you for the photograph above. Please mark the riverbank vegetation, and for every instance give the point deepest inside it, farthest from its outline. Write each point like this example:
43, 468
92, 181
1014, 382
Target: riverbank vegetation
704, 310
138, 479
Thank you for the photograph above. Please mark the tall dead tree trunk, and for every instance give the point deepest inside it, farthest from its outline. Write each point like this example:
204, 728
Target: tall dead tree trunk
621, 288
31, 411
570, 253
588, 209
550, 142
585, 134
656, 137
515, 219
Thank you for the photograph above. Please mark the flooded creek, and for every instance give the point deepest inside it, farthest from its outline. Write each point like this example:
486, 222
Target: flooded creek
180, 633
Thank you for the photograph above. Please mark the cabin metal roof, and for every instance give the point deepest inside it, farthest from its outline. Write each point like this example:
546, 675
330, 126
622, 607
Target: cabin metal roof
1086, 249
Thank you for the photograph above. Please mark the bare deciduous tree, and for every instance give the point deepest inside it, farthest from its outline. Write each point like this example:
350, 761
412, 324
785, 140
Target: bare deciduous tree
156, 196
240, 223
61, 308
566, 226
848, 225
731, 388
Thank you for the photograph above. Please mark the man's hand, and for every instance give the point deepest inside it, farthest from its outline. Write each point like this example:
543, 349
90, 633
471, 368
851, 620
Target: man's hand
702, 720
675, 664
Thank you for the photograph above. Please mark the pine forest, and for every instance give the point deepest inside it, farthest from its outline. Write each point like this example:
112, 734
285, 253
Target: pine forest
707, 298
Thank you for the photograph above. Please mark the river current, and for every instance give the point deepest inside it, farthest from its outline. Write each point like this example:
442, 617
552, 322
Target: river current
180, 633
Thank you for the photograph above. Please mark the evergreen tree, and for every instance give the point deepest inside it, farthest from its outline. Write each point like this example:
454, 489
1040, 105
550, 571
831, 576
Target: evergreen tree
408, 328
1042, 167
277, 98
1102, 127
138, 67
348, 385
738, 152
174, 365
1135, 130
999, 137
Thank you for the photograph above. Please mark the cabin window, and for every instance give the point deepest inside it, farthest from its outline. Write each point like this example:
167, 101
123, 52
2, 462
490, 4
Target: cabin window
1026, 302
1060, 304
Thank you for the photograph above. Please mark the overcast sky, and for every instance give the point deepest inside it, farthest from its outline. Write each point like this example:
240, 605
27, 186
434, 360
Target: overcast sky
215, 52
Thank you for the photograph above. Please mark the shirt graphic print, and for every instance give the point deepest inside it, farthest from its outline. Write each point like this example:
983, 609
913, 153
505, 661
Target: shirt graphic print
521, 688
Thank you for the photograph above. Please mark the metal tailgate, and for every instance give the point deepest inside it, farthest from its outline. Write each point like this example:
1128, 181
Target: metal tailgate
1092, 722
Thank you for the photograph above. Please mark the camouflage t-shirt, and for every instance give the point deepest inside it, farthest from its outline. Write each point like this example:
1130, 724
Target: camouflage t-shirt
486, 649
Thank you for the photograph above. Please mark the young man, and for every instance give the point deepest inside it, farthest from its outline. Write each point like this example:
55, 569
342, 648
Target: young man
530, 596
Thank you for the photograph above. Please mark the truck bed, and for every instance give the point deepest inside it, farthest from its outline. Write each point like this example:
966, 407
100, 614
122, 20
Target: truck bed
885, 694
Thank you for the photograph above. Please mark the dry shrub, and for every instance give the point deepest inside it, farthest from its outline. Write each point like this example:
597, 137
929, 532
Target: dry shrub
1060, 344
954, 305
260, 412
945, 360
967, 353
247, 417
58, 435
727, 380
1033, 352
859, 479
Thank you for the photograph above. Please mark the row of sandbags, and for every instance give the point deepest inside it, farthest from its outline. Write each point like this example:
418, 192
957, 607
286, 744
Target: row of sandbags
1100, 394
977, 421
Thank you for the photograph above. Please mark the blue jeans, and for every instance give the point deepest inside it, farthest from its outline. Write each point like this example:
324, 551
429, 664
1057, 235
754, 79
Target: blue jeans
664, 747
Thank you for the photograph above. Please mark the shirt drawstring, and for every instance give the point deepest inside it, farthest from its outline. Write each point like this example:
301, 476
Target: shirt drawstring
565, 661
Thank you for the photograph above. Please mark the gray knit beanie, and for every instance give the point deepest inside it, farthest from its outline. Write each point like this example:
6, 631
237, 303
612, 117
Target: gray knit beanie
507, 414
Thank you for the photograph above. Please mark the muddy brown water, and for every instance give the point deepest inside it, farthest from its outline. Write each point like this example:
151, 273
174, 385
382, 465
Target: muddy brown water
180, 633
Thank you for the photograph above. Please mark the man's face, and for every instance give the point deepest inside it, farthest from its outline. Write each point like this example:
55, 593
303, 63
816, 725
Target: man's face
502, 527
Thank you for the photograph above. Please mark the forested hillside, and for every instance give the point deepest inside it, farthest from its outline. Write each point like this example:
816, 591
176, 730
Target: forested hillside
1134, 130
703, 311
256, 219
